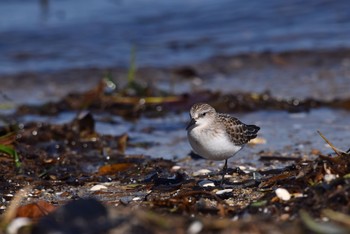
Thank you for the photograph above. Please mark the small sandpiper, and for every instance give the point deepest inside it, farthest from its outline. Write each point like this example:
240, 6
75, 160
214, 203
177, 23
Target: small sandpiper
217, 136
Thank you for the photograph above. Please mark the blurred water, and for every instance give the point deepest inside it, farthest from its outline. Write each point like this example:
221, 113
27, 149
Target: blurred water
51, 35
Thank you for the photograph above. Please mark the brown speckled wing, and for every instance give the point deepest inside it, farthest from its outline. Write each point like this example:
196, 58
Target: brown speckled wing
239, 132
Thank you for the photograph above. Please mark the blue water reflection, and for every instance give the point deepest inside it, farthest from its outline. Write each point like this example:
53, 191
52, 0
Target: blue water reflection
58, 34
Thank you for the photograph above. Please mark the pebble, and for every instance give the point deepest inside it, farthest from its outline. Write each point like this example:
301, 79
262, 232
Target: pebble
201, 172
206, 183
98, 187
242, 168
283, 194
223, 191
195, 227
175, 168
284, 217
247, 169
126, 200
329, 177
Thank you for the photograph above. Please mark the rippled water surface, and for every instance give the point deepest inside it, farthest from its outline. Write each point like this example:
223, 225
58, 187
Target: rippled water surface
51, 35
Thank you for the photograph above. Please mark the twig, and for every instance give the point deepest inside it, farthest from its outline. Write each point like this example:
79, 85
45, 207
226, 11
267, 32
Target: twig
10, 213
330, 144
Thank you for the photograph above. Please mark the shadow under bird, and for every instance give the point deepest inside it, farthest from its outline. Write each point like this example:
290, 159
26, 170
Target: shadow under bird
217, 136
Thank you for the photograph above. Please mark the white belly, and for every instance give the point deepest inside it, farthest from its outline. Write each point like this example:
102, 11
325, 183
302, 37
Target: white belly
212, 146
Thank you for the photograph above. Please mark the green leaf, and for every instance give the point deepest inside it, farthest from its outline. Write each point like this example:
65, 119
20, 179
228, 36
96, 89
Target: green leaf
259, 203
12, 152
132, 68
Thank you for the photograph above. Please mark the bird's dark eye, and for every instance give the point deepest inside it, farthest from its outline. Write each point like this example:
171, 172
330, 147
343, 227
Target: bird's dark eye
203, 114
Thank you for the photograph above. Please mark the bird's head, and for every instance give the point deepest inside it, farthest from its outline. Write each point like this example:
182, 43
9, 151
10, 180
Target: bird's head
201, 114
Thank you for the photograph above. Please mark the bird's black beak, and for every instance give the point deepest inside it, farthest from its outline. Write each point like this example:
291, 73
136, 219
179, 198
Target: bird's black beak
191, 123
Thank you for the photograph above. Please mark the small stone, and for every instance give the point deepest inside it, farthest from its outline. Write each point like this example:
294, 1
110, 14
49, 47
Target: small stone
201, 172
136, 199
125, 200
206, 183
329, 177
98, 187
195, 227
283, 194
223, 191
284, 217
175, 168
242, 168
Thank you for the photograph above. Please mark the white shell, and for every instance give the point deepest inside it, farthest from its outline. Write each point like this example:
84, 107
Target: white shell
223, 191
98, 187
283, 194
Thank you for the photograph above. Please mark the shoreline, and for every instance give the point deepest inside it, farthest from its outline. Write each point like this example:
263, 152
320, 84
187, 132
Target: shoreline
54, 85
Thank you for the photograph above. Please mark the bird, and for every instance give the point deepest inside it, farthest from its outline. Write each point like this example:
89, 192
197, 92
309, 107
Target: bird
217, 136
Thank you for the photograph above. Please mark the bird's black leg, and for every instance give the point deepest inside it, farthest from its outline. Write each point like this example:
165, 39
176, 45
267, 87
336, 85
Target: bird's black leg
224, 169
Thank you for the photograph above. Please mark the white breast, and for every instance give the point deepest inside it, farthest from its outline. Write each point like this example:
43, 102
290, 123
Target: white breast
212, 145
